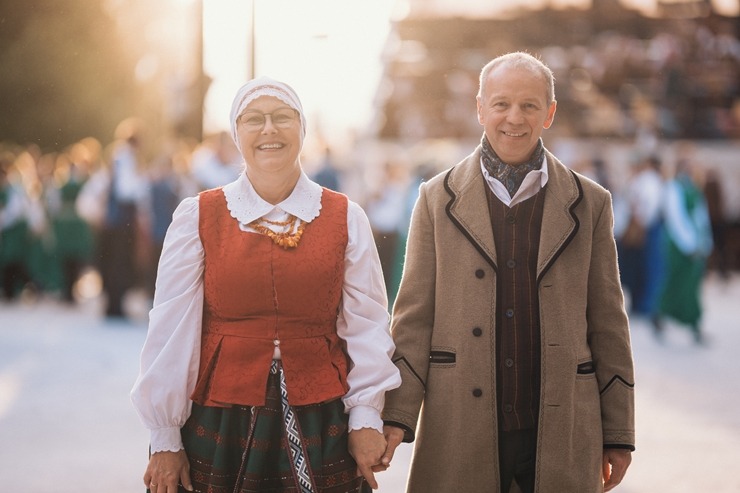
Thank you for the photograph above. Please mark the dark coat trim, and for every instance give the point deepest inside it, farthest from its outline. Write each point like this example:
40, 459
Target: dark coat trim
572, 233
442, 357
408, 434
459, 226
623, 446
405, 362
614, 379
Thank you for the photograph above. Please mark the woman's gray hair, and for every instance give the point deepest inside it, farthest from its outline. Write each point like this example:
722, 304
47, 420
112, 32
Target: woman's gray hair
524, 60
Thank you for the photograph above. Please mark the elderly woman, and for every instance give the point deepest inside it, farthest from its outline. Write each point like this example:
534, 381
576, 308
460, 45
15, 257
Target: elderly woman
268, 353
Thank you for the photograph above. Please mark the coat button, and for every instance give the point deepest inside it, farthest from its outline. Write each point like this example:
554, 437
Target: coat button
511, 263
510, 218
509, 362
479, 273
477, 332
508, 408
477, 392
509, 313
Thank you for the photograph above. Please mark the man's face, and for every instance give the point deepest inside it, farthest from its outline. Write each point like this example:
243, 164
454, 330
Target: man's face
514, 112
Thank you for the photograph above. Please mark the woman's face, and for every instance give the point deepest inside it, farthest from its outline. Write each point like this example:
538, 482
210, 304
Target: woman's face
270, 135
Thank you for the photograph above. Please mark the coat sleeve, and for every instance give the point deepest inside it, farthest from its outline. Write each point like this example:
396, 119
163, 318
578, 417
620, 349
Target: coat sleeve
609, 336
413, 320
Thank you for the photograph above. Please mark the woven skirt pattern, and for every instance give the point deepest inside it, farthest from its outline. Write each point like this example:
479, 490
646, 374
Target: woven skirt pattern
215, 440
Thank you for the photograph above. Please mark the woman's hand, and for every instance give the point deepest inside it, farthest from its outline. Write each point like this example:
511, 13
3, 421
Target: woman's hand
166, 470
367, 446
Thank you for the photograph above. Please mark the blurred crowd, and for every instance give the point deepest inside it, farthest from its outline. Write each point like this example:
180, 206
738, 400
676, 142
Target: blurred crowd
677, 84
100, 209
670, 229
105, 210
101, 212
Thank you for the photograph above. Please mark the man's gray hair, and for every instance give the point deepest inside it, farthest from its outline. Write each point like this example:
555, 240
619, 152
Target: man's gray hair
520, 59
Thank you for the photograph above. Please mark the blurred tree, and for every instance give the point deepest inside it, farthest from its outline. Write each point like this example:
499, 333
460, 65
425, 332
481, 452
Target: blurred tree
65, 72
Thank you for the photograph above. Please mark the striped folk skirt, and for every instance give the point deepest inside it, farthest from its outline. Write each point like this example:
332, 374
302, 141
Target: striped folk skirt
245, 450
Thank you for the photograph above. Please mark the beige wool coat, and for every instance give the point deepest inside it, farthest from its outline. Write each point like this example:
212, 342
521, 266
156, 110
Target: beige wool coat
446, 307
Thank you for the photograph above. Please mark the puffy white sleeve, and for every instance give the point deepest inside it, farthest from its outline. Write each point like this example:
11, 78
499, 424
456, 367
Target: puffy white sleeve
363, 324
171, 352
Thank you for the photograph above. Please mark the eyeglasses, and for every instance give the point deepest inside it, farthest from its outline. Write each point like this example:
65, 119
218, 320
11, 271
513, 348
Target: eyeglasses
255, 120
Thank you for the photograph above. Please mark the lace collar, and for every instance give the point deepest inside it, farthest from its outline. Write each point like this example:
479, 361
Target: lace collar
245, 205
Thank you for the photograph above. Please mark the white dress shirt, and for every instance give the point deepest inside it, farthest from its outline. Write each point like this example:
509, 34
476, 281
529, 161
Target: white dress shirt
645, 197
533, 182
171, 354
130, 185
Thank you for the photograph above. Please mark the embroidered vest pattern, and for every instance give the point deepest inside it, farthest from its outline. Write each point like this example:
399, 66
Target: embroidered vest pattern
257, 292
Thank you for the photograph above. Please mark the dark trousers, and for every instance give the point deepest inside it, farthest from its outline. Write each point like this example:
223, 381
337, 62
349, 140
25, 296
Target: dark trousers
517, 458
71, 269
13, 276
118, 259
387, 244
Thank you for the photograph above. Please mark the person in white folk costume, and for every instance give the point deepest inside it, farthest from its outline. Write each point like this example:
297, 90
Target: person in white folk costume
268, 353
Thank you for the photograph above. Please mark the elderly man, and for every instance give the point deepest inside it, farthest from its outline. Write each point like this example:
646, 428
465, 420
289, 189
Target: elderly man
510, 325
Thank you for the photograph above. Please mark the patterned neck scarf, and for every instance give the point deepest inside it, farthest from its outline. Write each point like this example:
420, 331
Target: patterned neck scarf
510, 176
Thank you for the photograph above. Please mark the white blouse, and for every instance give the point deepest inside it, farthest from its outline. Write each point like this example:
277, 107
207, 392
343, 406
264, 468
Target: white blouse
171, 353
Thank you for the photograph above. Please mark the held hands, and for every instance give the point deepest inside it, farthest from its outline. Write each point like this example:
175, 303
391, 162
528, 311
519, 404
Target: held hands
367, 446
394, 436
375, 449
615, 464
166, 470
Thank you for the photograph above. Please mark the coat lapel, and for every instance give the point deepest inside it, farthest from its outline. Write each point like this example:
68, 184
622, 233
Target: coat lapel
468, 205
468, 209
560, 223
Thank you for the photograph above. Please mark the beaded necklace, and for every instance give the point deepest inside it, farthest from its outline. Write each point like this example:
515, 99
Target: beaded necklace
288, 238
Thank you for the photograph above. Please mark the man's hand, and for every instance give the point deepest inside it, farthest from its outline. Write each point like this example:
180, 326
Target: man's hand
367, 447
166, 470
394, 437
615, 464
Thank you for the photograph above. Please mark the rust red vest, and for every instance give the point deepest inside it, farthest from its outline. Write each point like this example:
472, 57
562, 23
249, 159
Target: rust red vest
257, 292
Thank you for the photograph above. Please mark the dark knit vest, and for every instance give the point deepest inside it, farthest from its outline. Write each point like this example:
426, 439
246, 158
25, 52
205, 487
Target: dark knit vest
516, 232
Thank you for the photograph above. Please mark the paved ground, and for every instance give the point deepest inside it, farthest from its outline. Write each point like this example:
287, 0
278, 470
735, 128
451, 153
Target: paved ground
66, 424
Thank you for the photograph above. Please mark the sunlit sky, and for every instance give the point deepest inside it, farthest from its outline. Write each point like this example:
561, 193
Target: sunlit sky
328, 50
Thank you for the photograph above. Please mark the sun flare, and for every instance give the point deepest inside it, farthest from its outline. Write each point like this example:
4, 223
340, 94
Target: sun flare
328, 50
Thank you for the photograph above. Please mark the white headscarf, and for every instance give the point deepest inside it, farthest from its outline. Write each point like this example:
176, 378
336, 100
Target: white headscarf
263, 86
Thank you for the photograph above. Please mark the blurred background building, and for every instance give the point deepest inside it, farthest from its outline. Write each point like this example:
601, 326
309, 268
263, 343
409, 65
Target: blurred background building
619, 72
389, 90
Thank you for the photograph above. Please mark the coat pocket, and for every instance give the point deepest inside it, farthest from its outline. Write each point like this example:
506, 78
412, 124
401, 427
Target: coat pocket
442, 357
586, 368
